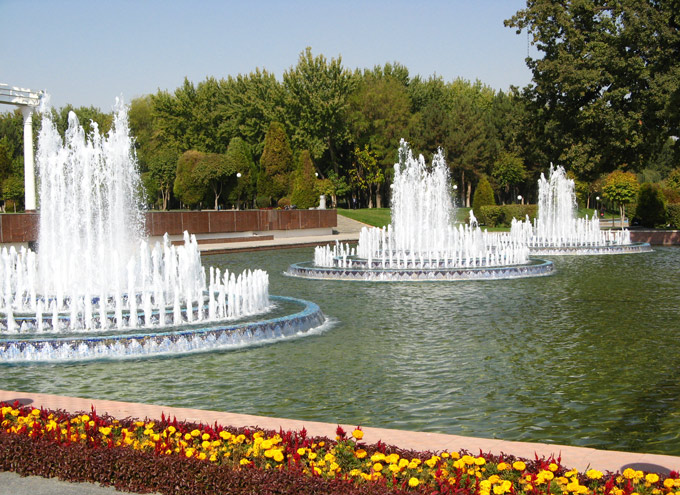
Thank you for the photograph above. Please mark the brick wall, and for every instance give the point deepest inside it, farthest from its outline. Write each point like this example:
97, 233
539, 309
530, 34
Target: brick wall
23, 227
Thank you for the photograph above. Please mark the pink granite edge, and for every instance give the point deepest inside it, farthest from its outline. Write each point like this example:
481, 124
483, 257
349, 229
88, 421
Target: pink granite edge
573, 457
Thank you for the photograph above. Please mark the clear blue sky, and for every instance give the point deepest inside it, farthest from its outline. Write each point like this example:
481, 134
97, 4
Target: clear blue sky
88, 52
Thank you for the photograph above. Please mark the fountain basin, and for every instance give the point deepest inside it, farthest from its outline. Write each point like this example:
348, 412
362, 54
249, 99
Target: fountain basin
534, 268
187, 339
636, 247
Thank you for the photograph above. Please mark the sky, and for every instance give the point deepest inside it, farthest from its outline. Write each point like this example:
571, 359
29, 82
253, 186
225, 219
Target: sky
88, 52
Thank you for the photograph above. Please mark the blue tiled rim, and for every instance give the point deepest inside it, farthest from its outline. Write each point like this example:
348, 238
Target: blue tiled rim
215, 337
636, 247
534, 268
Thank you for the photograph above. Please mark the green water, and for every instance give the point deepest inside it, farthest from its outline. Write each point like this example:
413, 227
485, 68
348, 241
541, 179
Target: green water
587, 357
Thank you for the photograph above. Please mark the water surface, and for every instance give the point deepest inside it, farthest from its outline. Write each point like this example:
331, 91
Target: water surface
586, 357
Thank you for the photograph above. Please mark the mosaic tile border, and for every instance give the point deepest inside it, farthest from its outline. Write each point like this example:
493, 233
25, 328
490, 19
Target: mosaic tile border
637, 247
67, 349
307, 269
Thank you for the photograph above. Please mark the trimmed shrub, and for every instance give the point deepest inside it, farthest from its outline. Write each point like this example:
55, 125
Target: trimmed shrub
501, 216
284, 202
483, 195
651, 206
674, 214
263, 202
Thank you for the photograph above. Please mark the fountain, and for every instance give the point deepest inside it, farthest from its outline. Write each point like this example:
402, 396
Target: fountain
557, 230
97, 289
421, 243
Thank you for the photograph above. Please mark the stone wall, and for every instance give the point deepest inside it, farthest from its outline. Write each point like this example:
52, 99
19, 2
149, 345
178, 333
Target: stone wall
23, 227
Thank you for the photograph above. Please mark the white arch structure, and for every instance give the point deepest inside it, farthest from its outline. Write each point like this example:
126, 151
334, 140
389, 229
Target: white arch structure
28, 100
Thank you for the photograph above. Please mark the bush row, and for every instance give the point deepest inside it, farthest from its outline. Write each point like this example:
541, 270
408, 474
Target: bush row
501, 216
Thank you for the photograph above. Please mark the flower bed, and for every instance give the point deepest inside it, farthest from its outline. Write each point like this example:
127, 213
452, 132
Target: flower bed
176, 457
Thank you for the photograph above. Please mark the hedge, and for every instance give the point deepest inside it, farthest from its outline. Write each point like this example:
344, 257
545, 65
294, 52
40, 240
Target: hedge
497, 216
673, 211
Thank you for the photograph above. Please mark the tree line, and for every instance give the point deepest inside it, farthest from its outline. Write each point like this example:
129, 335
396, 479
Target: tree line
604, 97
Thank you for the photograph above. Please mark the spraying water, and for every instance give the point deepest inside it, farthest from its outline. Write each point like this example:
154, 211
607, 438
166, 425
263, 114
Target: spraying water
557, 224
422, 234
94, 269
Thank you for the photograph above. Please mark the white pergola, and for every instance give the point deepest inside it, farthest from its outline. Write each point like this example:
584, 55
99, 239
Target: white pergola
28, 100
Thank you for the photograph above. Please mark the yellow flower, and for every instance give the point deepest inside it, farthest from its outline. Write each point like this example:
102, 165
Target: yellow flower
225, 435
594, 474
195, 433
244, 462
301, 451
519, 466
358, 434
360, 454
104, 430
205, 444
502, 466
278, 456
553, 467
377, 466
205, 436
652, 478
480, 461
378, 456
413, 482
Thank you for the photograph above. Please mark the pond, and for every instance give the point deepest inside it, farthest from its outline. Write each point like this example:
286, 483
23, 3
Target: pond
586, 357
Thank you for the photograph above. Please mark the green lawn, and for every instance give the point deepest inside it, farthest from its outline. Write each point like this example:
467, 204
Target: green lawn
380, 217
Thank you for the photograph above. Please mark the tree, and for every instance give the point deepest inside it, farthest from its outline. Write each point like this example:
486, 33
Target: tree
212, 170
186, 188
651, 206
673, 180
13, 189
483, 195
317, 94
276, 164
622, 188
508, 170
304, 190
366, 174
333, 186
607, 79
240, 160
162, 166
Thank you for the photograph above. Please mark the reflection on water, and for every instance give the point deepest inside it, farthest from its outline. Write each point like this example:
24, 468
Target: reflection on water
585, 357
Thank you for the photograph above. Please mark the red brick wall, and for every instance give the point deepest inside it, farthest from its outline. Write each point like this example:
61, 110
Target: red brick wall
656, 237
23, 227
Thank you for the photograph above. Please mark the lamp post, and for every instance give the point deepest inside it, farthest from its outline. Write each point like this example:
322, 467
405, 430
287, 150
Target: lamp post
238, 197
597, 203
520, 199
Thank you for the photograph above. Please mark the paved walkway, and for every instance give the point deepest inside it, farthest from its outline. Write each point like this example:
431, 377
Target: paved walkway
347, 230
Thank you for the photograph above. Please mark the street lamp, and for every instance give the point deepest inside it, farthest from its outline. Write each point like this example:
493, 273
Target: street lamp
597, 203
238, 199
519, 198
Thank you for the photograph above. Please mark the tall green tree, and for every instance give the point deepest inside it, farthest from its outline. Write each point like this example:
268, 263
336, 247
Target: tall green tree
607, 77
317, 94
162, 169
240, 160
276, 164
213, 171
509, 171
367, 175
187, 188
250, 102
304, 190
